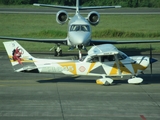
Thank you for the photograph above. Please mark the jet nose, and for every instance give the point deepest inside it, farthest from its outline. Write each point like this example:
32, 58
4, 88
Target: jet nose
79, 38
152, 60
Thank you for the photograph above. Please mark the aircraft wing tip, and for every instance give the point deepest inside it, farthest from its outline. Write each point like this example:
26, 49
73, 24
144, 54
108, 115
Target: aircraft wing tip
36, 4
117, 6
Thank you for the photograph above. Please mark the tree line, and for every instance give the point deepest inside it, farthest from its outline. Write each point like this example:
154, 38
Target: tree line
123, 3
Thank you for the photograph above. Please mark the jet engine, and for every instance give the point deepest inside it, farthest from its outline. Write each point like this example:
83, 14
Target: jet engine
62, 17
93, 18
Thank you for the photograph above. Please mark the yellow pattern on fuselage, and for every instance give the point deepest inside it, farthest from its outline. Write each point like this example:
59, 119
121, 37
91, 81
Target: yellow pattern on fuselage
69, 66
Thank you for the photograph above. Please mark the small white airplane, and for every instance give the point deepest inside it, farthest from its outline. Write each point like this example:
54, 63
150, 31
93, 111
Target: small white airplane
79, 29
104, 61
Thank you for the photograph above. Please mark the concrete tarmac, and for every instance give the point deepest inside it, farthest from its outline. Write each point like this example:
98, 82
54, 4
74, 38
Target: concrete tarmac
48, 96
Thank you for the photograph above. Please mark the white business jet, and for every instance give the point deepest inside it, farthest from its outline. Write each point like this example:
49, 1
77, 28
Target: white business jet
79, 30
104, 61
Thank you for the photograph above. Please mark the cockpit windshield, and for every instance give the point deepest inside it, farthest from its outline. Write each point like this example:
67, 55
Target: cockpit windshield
84, 28
121, 55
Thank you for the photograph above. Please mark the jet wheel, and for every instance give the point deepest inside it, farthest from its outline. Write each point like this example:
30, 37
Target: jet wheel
60, 53
55, 52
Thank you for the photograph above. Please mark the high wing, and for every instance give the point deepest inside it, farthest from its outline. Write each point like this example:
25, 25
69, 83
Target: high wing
62, 41
98, 42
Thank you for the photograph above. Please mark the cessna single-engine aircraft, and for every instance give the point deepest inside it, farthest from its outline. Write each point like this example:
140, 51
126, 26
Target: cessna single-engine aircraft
104, 61
79, 29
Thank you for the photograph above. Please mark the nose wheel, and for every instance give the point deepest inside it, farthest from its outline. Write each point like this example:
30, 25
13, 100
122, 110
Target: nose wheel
80, 54
80, 48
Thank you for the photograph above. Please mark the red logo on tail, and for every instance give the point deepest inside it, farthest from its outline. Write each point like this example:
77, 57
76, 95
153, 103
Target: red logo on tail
17, 54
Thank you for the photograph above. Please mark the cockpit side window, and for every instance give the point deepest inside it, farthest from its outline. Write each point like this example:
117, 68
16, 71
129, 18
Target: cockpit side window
107, 58
93, 59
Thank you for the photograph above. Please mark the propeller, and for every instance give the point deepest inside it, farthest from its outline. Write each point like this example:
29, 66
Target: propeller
152, 60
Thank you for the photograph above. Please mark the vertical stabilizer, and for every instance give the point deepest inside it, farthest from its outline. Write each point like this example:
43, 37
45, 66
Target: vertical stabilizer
19, 57
77, 6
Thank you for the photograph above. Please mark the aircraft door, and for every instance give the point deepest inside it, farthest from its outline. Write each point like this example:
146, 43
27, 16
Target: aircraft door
107, 58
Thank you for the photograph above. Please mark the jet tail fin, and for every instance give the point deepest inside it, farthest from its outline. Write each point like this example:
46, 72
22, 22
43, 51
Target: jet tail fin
20, 59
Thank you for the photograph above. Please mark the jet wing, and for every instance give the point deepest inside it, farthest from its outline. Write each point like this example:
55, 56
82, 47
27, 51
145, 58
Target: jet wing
63, 41
98, 42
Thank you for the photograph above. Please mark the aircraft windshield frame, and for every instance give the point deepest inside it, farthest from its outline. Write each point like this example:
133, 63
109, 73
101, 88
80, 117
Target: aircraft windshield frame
76, 27
122, 56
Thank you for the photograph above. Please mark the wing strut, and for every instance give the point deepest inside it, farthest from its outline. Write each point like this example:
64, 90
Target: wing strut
117, 63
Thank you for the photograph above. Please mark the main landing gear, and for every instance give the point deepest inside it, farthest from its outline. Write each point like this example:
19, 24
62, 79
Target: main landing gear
135, 80
57, 50
104, 81
109, 81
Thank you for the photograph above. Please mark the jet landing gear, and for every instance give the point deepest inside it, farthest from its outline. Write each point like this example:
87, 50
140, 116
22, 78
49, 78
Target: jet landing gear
57, 50
80, 55
80, 48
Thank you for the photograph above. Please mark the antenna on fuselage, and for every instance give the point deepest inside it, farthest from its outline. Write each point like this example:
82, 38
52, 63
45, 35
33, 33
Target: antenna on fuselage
77, 6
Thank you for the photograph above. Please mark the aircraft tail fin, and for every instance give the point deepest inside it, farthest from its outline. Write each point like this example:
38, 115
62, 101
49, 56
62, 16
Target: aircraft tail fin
20, 59
77, 6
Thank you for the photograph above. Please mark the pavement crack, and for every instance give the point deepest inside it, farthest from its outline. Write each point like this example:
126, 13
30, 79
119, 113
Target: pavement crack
60, 102
150, 97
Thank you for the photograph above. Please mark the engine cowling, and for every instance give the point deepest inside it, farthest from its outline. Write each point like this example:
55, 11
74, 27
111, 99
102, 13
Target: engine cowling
62, 17
93, 18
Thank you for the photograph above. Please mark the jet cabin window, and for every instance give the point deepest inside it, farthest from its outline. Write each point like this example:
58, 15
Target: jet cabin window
84, 28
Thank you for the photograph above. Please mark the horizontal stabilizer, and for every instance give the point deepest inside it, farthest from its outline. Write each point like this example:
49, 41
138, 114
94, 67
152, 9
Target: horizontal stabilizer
74, 8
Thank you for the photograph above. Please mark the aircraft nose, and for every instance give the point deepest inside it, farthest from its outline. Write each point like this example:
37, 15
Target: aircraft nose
152, 60
79, 38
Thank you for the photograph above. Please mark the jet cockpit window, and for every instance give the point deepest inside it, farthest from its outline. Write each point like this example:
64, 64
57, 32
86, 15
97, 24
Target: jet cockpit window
75, 28
85, 28
80, 28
